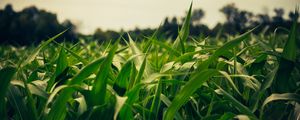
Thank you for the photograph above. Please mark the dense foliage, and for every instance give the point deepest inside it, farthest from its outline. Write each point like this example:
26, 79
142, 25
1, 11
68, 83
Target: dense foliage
246, 76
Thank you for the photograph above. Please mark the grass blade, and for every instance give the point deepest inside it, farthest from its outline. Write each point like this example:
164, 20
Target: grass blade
61, 65
78, 57
282, 82
99, 86
156, 101
139, 59
122, 81
183, 33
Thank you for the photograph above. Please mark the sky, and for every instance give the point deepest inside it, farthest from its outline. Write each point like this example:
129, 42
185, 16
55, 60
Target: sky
129, 14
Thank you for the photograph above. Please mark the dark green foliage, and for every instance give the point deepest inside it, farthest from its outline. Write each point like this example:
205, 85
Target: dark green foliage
31, 26
6, 75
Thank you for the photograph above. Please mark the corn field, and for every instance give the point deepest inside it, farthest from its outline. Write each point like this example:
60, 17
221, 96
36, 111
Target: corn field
245, 76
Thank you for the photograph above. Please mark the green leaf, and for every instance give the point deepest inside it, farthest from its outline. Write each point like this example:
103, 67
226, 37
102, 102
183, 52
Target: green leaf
183, 33
140, 73
289, 51
87, 71
168, 48
156, 100
122, 80
34, 89
227, 76
119, 104
282, 81
242, 108
82, 105
189, 55
222, 50
167, 102
227, 116
61, 65
276, 97
17, 103
58, 109
32, 56
6, 75
78, 57
133, 95
138, 61
191, 86
166, 67
99, 87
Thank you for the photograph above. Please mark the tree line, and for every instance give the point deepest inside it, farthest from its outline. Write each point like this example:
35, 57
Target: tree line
31, 25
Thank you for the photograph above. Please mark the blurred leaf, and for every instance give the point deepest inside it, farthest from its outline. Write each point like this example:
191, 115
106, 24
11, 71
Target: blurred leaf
17, 103
132, 96
242, 108
282, 81
227, 76
227, 116
166, 67
119, 104
171, 50
276, 97
82, 105
156, 101
6, 75
167, 102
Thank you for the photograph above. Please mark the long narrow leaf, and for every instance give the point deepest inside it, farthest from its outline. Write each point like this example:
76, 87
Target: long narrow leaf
6, 75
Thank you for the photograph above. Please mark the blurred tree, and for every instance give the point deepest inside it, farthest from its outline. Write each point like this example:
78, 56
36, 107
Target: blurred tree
278, 18
293, 15
31, 26
103, 36
112, 35
263, 18
6, 21
170, 28
71, 34
99, 35
279, 12
197, 16
237, 21
230, 11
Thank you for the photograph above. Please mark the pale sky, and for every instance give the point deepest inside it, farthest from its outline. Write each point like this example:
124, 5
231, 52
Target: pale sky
129, 14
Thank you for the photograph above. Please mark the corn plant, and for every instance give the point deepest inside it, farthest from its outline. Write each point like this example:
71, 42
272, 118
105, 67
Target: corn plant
245, 77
